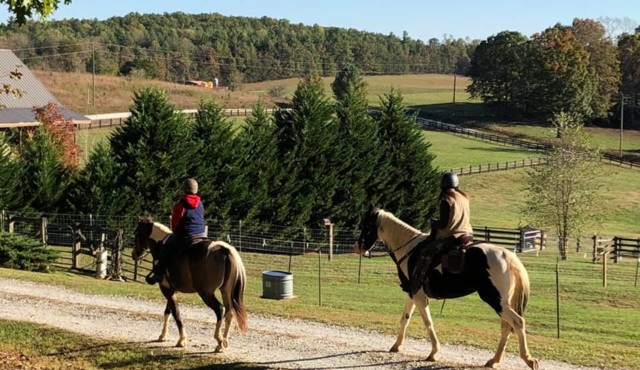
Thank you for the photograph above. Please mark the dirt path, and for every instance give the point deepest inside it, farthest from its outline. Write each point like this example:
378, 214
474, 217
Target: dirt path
274, 342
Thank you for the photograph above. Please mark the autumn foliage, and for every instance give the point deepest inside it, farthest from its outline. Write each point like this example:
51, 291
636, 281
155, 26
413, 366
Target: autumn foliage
62, 130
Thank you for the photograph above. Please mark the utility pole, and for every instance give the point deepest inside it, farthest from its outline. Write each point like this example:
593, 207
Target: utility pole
621, 121
93, 71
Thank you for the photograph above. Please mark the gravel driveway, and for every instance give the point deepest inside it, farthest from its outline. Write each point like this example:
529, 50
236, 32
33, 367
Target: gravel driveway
274, 342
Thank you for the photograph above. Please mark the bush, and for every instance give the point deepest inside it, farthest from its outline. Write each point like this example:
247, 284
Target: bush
276, 91
24, 253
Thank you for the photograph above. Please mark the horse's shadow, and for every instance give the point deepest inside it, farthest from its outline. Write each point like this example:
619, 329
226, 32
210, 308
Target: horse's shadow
414, 364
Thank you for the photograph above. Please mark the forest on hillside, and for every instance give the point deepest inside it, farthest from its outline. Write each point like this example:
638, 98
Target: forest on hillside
179, 46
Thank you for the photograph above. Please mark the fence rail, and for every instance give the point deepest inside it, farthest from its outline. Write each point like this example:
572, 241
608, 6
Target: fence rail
501, 166
506, 140
116, 119
80, 239
615, 247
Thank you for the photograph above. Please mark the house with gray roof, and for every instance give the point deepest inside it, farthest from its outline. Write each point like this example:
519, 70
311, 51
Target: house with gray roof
19, 111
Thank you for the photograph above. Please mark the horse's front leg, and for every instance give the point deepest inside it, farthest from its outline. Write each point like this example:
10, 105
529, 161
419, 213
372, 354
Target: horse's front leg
422, 302
165, 323
172, 306
409, 306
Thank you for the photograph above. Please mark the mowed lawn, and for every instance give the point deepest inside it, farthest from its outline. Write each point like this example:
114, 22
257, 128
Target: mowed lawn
365, 294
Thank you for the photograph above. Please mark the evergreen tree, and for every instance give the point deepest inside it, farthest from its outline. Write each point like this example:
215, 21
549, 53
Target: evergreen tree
357, 146
305, 137
11, 172
412, 183
95, 189
214, 151
256, 168
46, 177
155, 154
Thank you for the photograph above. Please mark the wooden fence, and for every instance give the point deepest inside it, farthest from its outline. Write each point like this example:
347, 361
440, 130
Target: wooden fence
616, 248
490, 167
519, 240
116, 119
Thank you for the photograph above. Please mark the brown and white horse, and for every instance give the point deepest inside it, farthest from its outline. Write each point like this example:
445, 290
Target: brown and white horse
494, 272
204, 268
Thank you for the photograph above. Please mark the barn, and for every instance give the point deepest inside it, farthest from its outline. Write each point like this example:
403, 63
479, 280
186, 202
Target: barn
18, 111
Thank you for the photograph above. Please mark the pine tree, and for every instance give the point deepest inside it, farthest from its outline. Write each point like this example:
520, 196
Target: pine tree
213, 143
256, 168
46, 176
11, 172
356, 145
305, 136
95, 189
155, 154
411, 185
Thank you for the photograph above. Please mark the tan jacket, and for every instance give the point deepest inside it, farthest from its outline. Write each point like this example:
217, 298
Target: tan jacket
459, 222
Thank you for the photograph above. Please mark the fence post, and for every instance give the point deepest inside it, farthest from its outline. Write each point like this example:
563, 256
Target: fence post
616, 249
43, 230
12, 222
2, 221
240, 236
595, 247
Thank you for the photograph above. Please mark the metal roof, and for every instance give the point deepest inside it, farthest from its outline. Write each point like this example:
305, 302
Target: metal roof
18, 111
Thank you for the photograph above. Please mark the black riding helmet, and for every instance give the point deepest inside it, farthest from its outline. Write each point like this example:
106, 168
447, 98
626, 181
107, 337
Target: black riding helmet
449, 180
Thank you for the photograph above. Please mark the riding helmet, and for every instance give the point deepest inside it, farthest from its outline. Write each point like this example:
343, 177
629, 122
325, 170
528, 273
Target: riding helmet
190, 186
449, 180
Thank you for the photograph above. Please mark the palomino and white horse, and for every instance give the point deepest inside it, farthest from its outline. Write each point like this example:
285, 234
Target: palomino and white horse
204, 268
494, 272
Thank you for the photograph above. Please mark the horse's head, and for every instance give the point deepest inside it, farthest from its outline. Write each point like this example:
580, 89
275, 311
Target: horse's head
368, 231
142, 237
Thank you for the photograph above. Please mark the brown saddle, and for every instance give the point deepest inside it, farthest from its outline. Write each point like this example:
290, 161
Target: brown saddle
453, 253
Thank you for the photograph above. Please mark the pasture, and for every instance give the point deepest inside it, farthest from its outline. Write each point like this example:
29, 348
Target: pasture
606, 341
113, 94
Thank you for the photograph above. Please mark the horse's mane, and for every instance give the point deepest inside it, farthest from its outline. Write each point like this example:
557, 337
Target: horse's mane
388, 219
162, 228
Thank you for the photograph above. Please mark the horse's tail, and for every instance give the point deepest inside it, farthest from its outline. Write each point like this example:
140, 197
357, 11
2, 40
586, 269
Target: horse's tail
236, 271
522, 287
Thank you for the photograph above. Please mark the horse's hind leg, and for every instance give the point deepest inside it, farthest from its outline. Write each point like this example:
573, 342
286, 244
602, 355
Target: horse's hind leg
212, 302
505, 331
422, 302
518, 324
172, 306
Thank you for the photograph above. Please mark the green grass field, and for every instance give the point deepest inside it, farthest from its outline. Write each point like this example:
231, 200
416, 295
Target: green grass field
591, 317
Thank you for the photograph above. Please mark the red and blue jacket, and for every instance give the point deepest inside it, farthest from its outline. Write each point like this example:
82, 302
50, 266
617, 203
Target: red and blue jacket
187, 218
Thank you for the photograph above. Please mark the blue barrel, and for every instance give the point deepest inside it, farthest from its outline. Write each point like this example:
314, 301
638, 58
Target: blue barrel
277, 284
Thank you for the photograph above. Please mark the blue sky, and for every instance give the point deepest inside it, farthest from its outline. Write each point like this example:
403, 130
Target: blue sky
422, 19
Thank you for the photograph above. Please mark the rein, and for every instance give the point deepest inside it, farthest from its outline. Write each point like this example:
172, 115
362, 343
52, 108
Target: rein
392, 252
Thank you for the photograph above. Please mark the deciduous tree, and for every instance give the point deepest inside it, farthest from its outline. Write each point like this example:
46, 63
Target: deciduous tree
562, 193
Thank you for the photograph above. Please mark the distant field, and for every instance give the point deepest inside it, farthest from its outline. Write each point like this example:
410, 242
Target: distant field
497, 199
606, 138
114, 94
453, 151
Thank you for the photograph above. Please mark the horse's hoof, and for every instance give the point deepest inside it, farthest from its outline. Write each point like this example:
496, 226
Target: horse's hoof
433, 358
491, 364
395, 349
162, 338
180, 343
219, 349
533, 364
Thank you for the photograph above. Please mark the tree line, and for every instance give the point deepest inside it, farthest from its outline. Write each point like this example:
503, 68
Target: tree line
178, 46
325, 157
577, 69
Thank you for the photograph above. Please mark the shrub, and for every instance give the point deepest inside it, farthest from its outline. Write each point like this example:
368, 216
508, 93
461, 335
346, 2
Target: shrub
24, 253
